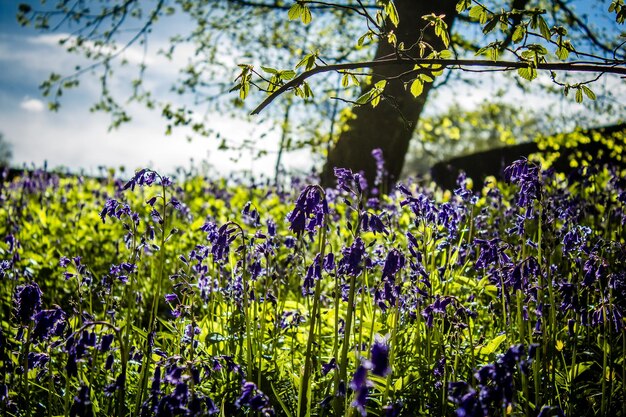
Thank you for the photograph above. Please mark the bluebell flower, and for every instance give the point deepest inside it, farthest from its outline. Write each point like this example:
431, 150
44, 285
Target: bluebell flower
379, 356
27, 302
491, 253
327, 367
372, 223
466, 399
37, 360
255, 399
360, 386
82, 406
49, 323
309, 212
313, 274
115, 209
393, 264
351, 263
380, 166
64, 261
526, 176
108, 364
594, 270
345, 178
329, 263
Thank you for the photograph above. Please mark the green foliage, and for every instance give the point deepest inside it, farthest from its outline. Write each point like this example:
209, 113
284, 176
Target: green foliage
458, 131
243, 316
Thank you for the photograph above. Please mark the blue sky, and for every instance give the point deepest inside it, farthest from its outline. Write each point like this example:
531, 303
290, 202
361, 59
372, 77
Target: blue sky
80, 140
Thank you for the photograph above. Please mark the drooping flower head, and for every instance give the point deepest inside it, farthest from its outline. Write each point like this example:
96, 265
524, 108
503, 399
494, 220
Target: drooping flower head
379, 358
27, 302
526, 176
310, 210
48, 323
351, 263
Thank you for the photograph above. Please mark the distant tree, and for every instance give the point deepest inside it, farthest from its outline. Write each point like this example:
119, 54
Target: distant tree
384, 56
6, 151
460, 131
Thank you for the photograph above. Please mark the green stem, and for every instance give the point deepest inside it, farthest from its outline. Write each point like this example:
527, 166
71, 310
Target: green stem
25, 382
303, 401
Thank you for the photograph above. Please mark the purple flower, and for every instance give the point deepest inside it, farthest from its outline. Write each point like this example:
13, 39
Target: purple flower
360, 386
526, 176
27, 302
37, 360
491, 252
327, 367
466, 399
380, 166
313, 274
82, 406
380, 357
48, 323
255, 399
352, 259
372, 223
105, 342
394, 262
329, 263
64, 261
309, 212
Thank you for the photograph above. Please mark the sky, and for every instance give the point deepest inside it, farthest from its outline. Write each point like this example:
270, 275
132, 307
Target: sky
79, 140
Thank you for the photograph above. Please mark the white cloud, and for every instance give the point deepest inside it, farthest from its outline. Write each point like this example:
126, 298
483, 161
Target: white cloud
32, 105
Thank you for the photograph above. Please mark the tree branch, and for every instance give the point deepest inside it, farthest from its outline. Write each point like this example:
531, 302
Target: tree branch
617, 68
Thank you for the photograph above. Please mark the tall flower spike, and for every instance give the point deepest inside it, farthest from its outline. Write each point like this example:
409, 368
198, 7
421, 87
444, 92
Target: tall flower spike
310, 210
27, 302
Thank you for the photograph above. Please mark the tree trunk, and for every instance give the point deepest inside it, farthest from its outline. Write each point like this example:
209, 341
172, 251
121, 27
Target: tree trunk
390, 125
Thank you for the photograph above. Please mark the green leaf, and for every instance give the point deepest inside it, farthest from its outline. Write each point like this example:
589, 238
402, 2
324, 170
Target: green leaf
308, 61
287, 74
562, 53
392, 13
490, 347
528, 73
579, 369
365, 97
445, 54
269, 70
306, 15
417, 87
543, 28
244, 90
345, 80
376, 99
518, 34
479, 13
590, 94
579, 95
463, 5
308, 93
294, 11
491, 24
425, 78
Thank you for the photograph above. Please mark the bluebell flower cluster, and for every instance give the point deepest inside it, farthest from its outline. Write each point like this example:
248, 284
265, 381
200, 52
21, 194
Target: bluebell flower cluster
495, 387
309, 212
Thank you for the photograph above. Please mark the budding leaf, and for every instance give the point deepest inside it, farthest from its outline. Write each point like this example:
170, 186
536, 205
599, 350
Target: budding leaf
528, 73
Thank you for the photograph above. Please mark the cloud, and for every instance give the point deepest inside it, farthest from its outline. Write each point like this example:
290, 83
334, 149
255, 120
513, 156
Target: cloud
32, 105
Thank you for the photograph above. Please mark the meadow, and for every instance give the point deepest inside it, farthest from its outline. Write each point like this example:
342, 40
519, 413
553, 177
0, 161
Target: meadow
153, 296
